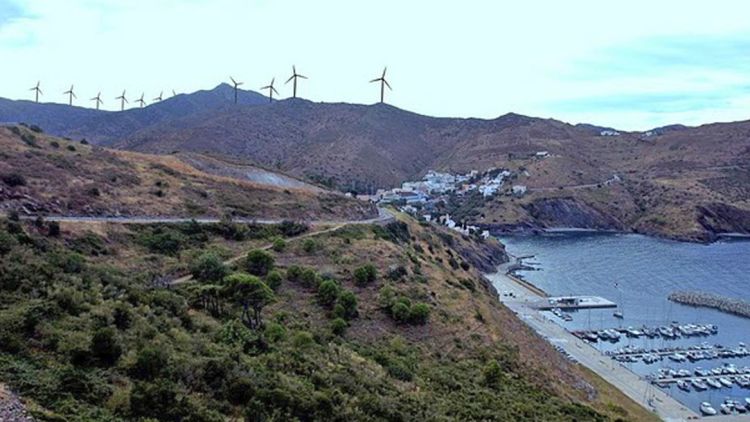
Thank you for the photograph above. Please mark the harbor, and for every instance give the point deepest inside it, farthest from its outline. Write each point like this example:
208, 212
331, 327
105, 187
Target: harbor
646, 330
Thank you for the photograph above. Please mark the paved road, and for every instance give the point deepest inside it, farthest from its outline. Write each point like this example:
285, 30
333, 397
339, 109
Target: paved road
621, 377
383, 215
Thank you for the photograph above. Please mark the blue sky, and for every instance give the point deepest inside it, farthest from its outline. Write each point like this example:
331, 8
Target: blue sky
631, 65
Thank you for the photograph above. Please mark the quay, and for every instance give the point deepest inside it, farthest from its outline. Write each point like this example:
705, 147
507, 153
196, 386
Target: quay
570, 303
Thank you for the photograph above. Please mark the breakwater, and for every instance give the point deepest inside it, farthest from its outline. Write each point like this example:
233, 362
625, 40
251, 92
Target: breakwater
710, 300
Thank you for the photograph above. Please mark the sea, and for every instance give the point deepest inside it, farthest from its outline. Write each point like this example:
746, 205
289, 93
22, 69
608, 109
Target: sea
638, 273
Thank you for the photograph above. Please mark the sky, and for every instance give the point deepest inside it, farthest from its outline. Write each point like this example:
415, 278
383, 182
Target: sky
632, 65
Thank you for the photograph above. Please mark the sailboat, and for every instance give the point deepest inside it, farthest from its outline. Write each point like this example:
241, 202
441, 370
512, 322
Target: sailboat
618, 313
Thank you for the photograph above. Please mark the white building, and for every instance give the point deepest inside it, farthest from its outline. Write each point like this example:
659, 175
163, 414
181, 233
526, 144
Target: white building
519, 190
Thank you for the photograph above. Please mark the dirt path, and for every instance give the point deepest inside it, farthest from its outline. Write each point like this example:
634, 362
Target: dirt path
384, 216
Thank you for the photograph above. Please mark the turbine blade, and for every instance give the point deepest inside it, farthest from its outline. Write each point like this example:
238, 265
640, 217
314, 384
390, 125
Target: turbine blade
74, 95
303, 77
233, 81
384, 69
375, 80
387, 84
290, 78
274, 90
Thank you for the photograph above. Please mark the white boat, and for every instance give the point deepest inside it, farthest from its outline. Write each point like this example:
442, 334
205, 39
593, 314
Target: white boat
707, 409
618, 314
713, 383
726, 381
726, 409
699, 385
684, 386
747, 401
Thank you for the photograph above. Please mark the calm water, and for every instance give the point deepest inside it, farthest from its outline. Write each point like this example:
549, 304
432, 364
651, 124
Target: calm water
646, 270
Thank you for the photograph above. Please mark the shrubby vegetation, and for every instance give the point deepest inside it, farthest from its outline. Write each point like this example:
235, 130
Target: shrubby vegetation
86, 340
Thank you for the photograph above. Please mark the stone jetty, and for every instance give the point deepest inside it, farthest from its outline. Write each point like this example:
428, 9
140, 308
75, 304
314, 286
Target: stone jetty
710, 300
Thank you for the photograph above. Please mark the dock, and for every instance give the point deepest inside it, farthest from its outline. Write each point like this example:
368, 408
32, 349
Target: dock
572, 303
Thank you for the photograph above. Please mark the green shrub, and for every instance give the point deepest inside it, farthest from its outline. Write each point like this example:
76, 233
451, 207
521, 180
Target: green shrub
302, 340
309, 246
240, 390
71, 148
259, 262
208, 268
275, 332
339, 326
401, 312
150, 362
365, 275
163, 241
309, 278
156, 400
105, 346
397, 273
328, 292
419, 313
278, 244
274, 279
492, 374
294, 273
53, 229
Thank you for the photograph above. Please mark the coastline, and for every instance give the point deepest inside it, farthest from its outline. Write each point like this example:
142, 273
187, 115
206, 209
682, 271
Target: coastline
526, 230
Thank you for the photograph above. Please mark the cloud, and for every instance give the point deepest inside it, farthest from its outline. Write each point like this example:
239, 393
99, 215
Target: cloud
9, 12
665, 54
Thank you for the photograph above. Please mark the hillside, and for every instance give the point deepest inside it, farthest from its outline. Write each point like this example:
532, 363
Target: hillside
387, 322
675, 181
43, 175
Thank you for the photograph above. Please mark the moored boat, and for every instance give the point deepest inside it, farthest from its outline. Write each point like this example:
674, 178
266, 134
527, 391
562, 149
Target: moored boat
707, 409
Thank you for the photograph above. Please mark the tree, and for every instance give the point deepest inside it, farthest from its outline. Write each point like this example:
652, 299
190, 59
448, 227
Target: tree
252, 295
338, 326
328, 292
259, 262
105, 346
209, 297
208, 268
365, 275
347, 302
400, 312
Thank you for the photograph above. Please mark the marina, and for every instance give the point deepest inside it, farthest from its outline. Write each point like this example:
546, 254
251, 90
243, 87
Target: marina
647, 330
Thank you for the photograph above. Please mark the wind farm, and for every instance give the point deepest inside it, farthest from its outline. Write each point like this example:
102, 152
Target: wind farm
235, 85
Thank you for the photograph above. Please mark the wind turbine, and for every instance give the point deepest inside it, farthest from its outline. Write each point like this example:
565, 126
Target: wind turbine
98, 99
294, 76
271, 90
173, 93
159, 98
38, 91
383, 84
141, 101
236, 84
123, 100
70, 95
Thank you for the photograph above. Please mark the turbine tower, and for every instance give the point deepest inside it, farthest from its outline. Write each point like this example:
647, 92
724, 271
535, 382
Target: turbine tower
294, 76
38, 91
159, 98
98, 99
236, 85
141, 101
271, 90
70, 95
383, 84
123, 100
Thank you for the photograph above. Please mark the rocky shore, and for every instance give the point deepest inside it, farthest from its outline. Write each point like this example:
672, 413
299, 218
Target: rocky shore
11, 408
710, 300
